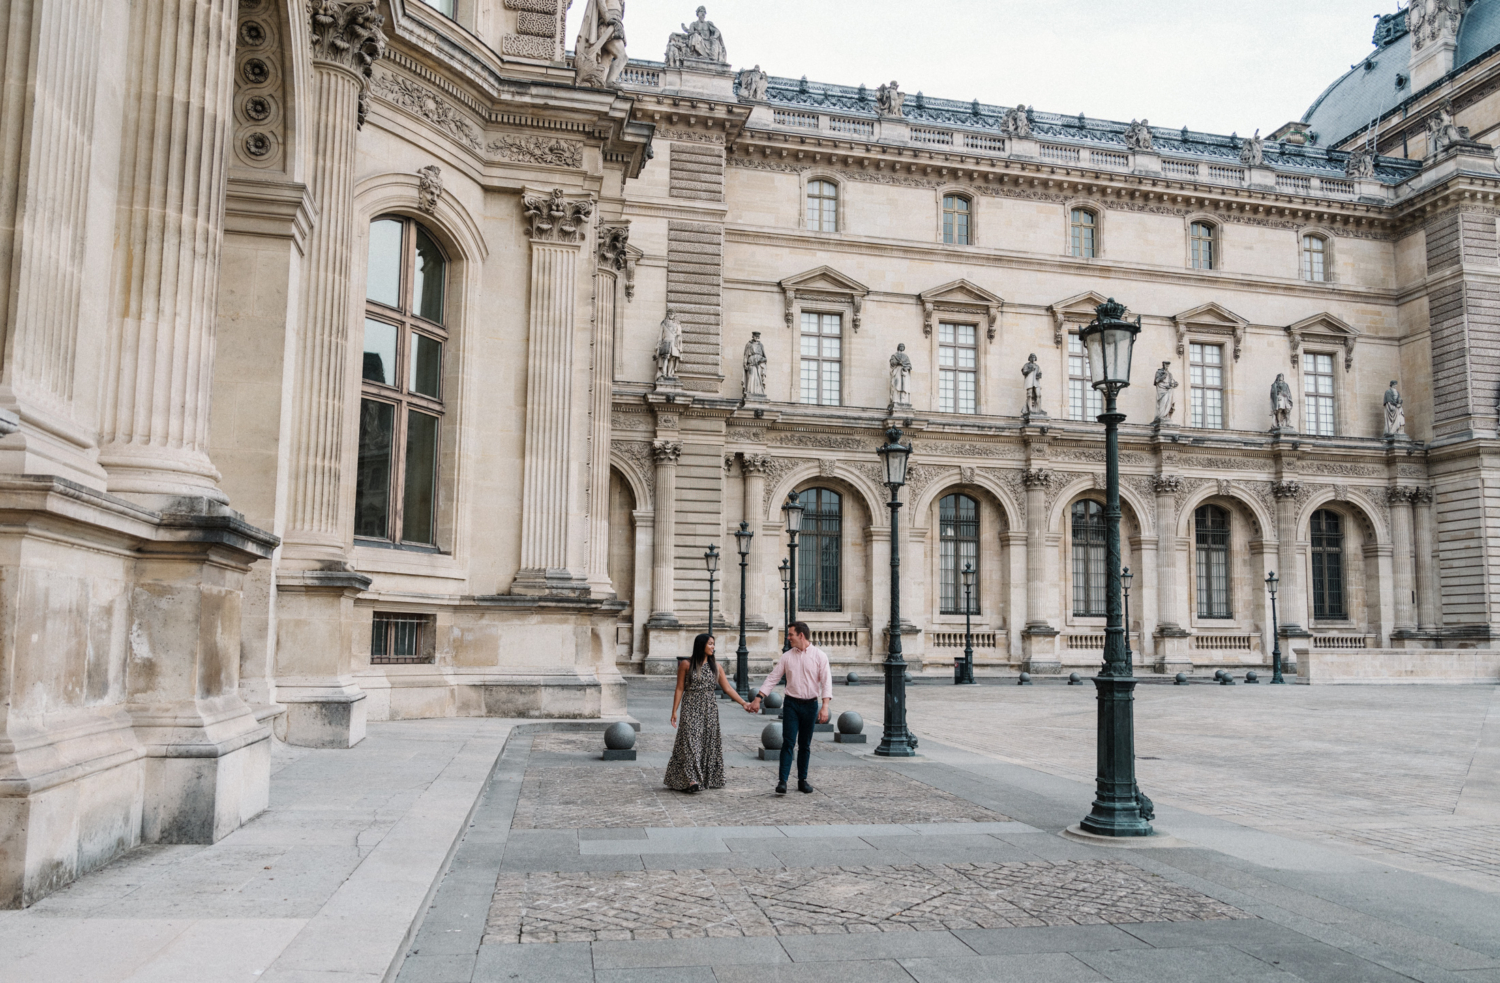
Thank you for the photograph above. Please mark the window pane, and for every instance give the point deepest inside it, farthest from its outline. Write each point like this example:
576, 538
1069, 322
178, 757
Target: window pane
428, 295
383, 275
442, 6
380, 352
372, 487
426, 365
421, 478
830, 384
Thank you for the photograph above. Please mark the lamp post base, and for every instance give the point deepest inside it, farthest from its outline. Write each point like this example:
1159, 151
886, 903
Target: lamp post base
1117, 809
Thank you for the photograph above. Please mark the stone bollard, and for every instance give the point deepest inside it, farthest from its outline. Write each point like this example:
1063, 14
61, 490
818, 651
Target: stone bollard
770, 743
619, 742
1225, 679
852, 679
771, 705
906, 676
1252, 676
1074, 679
1181, 679
1024, 679
850, 726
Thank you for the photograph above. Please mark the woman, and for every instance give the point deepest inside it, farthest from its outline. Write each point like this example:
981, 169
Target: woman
698, 756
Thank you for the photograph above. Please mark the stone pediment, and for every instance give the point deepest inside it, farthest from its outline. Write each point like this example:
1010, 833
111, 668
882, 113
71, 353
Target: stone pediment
1078, 309
962, 297
1327, 329
824, 283
1210, 318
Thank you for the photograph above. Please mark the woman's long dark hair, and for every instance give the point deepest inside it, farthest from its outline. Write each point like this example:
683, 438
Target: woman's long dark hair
700, 652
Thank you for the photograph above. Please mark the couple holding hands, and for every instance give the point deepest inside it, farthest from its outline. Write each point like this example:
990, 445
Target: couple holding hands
698, 754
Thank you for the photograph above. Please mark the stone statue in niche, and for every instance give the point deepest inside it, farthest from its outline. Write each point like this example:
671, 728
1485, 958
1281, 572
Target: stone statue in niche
1360, 166
1138, 136
900, 377
753, 84
599, 54
755, 367
1166, 399
699, 41
1281, 403
1017, 123
889, 100
669, 348
1253, 151
1032, 373
1395, 413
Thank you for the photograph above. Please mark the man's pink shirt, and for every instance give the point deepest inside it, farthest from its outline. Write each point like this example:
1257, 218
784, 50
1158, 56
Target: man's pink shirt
807, 674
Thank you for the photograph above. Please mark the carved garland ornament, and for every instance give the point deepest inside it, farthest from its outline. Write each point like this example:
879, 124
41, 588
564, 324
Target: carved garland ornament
347, 33
416, 99
551, 151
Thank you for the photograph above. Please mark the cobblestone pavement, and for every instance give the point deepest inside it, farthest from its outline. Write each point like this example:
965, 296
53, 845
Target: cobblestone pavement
728, 903
1378, 770
585, 796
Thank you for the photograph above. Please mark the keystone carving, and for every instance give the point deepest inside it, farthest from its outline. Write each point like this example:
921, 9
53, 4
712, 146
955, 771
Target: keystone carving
429, 187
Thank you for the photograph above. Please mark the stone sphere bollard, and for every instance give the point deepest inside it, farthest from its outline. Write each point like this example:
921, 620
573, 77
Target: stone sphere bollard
1180, 680
906, 677
851, 728
772, 702
852, 679
619, 742
770, 738
1024, 679
1218, 674
1252, 676
1074, 679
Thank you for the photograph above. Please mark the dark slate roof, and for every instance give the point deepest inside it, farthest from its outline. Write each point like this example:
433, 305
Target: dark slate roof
1479, 32
858, 102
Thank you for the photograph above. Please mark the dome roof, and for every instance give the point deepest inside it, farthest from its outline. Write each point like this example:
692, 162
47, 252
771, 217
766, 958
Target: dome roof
1479, 32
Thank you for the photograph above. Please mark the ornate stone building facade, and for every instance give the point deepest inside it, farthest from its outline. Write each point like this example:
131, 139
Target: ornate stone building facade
368, 360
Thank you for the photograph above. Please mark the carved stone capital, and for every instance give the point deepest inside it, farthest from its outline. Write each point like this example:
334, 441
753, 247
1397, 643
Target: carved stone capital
1036, 478
1421, 496
754, 463
554, 217
1396, 494
611, 246
1286, 489
347, 33
1167, 484
666, 451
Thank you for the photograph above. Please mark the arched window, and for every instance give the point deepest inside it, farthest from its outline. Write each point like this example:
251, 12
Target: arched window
958, 535
1328, 564
1088, 558
1084, 229
822, 206
1211, 531
1202, 238
1314, 252
956, 220
401, 389
820, 551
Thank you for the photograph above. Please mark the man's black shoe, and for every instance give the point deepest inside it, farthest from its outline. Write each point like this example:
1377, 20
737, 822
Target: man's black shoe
781, 788
804, 787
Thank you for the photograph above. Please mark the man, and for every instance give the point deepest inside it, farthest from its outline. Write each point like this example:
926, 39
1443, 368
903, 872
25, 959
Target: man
808, 681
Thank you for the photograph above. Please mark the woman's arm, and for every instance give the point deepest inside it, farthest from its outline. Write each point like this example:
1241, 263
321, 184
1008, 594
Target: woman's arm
682, 671
728, 689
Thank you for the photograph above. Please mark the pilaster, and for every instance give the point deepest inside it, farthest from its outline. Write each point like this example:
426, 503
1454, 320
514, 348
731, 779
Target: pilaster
1039, 637
1403, 561
753, 467
1428, 597
610, 251
1172, 654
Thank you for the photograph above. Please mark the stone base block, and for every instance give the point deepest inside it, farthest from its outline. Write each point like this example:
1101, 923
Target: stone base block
770, 754
849, 738
204, 799
333, 722
622, 754
823, 728
1451, 666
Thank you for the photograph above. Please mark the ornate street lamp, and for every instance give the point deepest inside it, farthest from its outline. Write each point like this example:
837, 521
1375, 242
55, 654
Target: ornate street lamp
793, 510
1117, 810
1125, 578
711, 561
1271, 584
895, 741
742, 539
965, 673
786, 581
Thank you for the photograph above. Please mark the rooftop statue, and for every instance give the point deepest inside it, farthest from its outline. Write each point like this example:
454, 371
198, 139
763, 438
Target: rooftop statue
700, 41
889, 100
1360, 165
1138, 137
1017, 123
753, 84
599, 55
1253, 151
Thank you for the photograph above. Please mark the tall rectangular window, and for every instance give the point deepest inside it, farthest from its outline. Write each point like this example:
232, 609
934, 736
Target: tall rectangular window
822, 358
1317, 393
1085, 233
1327, 564
820, 552
956, 220
1089, 541
1084, 401
958, 537
1206, 379
1211, 535
1314, 250
1204, 247
822, 206
957, 368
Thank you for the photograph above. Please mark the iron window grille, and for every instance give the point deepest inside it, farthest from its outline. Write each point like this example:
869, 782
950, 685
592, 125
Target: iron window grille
958, 534
1328, 565
820, 551
1089, 540
1211, 532
402, 639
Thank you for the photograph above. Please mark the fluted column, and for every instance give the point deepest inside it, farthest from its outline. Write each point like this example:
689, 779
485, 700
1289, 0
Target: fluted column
169, 222
1403, 561
315, 585
1428, 611
49, 56
1039, 637
666, 453
1293, 605
610, 252
753, 467
1171, 638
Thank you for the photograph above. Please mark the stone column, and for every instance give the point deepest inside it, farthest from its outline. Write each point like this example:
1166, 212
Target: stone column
1291, 605
1403, 582
753, 466
50, 53
1428, 610
558, 226
666, 453
1172, 654
1039, 636
315, 585
169, 229
611, 259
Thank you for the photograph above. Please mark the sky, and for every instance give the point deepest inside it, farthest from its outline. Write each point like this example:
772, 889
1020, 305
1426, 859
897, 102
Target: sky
1218, 66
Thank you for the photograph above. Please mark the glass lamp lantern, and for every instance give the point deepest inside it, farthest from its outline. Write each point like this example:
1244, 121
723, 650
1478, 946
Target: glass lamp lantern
1125, 578
742, 539
711, 558
968, 574
1109, 340
1272, 583
895, 455
786, 573
793, 510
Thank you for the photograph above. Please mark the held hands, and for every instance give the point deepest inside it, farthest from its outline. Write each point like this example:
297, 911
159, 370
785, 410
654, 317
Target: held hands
753, 706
